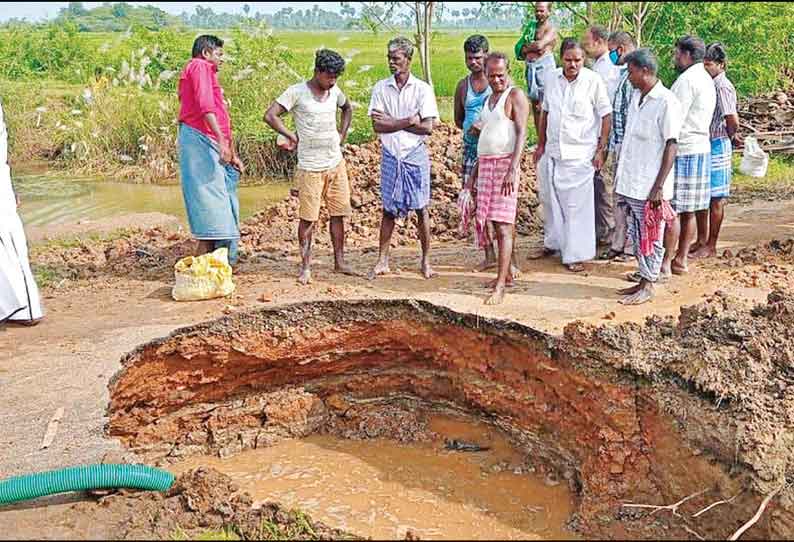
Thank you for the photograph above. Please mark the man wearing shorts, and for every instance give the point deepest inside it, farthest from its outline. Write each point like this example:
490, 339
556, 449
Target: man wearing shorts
322, 173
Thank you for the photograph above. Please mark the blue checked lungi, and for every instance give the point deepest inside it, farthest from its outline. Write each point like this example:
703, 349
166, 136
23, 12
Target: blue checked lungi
209, 189
721, 167
405, 183
469, 157
536, 73
692, 190
651, 265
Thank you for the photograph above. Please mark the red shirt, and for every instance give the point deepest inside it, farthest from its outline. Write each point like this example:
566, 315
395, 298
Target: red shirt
199, 94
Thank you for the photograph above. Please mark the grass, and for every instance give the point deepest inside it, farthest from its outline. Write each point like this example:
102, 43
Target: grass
227, 533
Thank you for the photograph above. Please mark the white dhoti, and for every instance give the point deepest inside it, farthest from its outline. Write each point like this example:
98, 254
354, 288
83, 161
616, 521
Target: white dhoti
567, 192
19, 296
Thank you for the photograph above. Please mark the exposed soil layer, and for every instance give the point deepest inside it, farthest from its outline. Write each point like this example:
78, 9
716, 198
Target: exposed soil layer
648, 414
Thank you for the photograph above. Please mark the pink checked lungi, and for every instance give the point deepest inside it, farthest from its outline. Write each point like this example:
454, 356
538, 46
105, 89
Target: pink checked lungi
492, 206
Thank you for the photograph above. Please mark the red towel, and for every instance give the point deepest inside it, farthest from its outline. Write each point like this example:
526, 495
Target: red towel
652, 226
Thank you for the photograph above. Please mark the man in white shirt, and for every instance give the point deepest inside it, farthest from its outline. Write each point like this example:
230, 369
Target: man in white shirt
572, 143
322, 173
403, 109
596, 45
645, 169
694, 88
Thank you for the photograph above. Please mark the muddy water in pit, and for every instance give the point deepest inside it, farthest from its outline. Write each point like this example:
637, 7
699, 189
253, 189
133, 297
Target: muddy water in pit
381, 488
51, 199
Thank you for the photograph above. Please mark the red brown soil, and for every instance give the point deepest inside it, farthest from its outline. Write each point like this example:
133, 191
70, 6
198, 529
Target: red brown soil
642, 413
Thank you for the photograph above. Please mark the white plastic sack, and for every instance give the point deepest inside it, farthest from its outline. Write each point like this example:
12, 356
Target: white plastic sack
754, 160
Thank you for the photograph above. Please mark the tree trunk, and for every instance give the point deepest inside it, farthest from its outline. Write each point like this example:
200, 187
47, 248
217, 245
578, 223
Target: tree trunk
589, 7
423, 12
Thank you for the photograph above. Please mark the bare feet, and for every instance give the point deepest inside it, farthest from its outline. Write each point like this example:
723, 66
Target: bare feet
381, 268
492, 283
695, 247
544, 254
497, 297
427, 271
515, 272
703, 252
485, 265
345, 269
643, 295
26, 323
574, 267
630, 290
636, 277
305, 276
678, 269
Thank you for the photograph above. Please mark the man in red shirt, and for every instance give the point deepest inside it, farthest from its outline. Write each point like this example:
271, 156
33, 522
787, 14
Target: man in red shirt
209, 166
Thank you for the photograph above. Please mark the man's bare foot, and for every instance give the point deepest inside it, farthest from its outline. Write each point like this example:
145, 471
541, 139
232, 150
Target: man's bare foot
574, 267
305, 276
485, 265
381, 268
26, 323
703, 252
636, 277
695, 247
345, 269
497, 297
643, 295
678, 269
544, 254
630, 290
427, 271
491, 284
515, 272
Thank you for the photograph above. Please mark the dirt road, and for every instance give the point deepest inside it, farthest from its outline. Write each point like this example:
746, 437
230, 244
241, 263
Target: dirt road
68, 360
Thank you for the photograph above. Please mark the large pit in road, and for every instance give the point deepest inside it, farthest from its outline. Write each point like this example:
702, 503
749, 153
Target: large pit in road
641, 414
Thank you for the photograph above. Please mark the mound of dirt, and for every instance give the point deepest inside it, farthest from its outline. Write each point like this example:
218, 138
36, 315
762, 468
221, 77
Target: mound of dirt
767, 265
739, 357
200, 500
272, 228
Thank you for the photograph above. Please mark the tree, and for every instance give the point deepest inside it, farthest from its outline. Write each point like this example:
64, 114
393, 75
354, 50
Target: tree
246, 9
420, 15
120, 10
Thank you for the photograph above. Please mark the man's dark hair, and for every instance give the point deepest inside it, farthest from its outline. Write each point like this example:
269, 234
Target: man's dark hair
328, 61
643, 58
497, 56
622, 38
205, 42
570, 43
716, 53
475, 44
599, 32
692, 45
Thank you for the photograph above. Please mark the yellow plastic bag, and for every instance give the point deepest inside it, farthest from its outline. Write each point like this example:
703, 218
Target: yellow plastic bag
203, 277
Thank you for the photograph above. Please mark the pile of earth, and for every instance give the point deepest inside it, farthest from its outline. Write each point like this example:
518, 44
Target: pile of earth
739, 357
200, 502
765, 265
272, 228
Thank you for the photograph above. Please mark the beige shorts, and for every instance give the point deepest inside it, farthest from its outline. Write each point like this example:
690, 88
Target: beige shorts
331, 185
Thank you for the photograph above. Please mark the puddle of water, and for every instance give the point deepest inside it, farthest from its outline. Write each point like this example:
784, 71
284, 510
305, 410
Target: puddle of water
50, 200
380, 488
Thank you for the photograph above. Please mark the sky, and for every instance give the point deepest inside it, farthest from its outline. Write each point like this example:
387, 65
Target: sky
36, 11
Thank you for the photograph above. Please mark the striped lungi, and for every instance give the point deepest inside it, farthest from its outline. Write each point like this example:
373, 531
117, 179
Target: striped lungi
492, 205
721, 167
692, 191
649, 265
405, 182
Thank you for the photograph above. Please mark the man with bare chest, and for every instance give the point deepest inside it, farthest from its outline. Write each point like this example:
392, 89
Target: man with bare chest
538, 56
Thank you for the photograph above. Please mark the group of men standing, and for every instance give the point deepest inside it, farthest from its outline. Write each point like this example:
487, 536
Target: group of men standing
622, 161
629, 165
